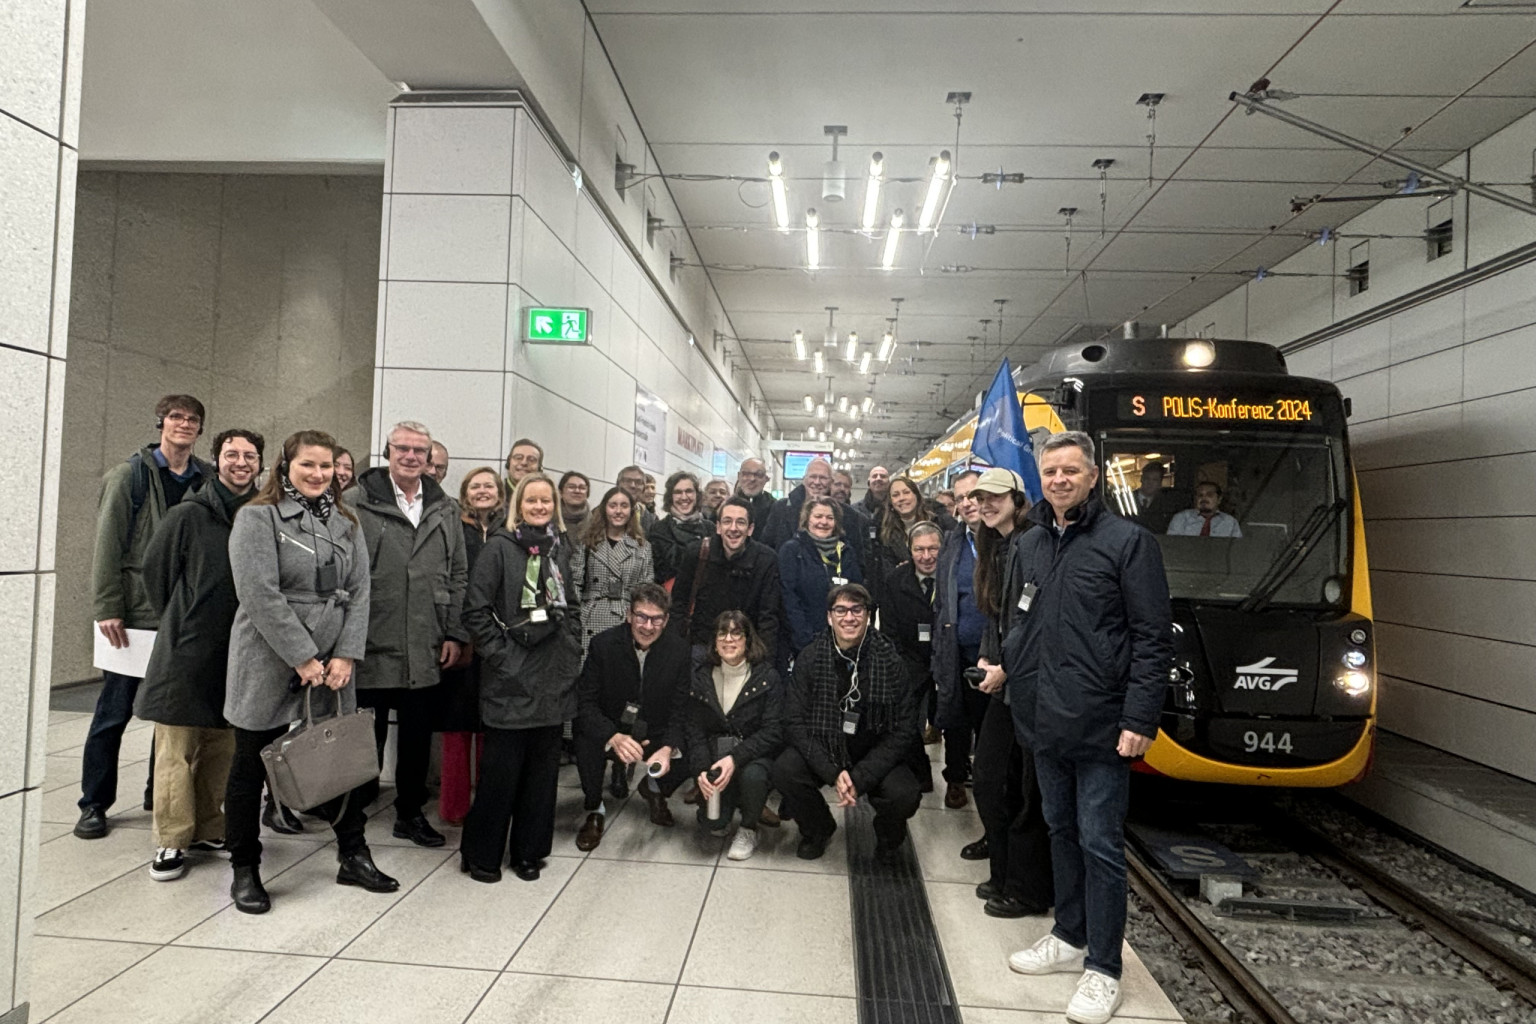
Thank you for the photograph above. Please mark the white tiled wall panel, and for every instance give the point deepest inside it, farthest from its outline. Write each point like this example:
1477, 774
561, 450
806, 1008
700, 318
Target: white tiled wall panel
449, 238
29, 164
24, 382
443, 325
1490, 734
447, 151
32, 48
454, 404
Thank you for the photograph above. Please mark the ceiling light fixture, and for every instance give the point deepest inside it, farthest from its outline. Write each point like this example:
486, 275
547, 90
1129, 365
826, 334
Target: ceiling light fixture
780, 193
812, 240
938, 174
858, 433
887, 347
842, 403
867, 404
864, 362
810, 403
852, 351
892, 239
872, 191
834, 175
800, 346
838, 433
821, 412
819, 365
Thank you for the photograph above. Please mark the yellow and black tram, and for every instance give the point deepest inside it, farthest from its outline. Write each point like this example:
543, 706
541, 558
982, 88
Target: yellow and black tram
1243, 473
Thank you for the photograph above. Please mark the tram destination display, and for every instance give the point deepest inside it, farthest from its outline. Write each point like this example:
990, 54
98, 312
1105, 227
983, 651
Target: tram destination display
1216, 408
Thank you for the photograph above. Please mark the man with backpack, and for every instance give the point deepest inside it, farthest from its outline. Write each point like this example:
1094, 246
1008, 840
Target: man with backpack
135, 496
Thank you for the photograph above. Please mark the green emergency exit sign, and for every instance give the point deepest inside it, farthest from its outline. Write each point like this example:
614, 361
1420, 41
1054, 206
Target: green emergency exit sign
555, 326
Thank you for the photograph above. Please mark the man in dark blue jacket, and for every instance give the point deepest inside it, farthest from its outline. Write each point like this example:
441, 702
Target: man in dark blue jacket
1087, 661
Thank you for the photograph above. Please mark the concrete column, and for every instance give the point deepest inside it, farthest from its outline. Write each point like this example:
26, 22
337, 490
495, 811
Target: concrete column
40, 50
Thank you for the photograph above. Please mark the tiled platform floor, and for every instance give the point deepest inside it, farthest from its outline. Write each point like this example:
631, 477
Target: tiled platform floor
654, 926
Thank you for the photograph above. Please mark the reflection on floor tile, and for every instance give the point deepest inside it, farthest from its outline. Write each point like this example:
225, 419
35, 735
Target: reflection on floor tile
447, 920
537, 999
346, 991
67, 969
715, 1006
801, 935
631, 836
193, 986
310, 913
666, 897
938, 837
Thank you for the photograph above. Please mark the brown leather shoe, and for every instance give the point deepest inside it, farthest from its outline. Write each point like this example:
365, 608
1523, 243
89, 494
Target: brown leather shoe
591, 833
661, 814
770, 818
954, 796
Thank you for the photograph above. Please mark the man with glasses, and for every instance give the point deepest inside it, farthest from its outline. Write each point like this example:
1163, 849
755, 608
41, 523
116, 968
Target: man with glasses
632, 480
438, 467
419, 574
751, 481
625, 708
524, 458
852, 715
135, 496
906, 616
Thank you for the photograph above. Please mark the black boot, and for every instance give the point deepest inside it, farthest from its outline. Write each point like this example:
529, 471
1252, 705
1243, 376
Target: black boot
247, 892
280, 819
359, 869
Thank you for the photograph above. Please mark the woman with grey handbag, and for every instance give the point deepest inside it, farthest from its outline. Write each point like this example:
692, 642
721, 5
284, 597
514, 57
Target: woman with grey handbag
518, 611
301, 572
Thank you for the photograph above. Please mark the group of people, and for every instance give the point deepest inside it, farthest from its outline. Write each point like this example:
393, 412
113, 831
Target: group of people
730, 646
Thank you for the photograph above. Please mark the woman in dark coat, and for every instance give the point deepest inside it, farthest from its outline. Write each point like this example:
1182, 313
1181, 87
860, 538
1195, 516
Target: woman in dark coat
904, 508
483, 501
684, 524
529, 634
732, 728
811, 563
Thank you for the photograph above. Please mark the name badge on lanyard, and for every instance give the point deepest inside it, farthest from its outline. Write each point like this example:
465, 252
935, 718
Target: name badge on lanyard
538, 615
838, 581
1027, 596
850, 722
924, 633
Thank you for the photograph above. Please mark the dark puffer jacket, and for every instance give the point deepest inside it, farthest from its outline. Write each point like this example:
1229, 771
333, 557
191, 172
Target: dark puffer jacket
187, 579
806, 580
1091, 655
748, 583
755, 720
520, 687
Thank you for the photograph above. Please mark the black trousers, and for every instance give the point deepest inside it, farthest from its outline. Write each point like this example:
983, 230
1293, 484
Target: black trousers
1008, 801
242, 803
592, 762
960, 742
895, 799
518, 778
415, 716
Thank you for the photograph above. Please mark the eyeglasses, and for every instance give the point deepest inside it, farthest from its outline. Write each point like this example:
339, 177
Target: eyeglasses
848, 611
182, 417
648, 620
753, 473
407, 450
731, 634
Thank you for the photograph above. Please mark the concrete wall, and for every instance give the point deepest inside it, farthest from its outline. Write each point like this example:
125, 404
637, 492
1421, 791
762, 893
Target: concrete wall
40, 44
256, 293
483, 219
1444, 437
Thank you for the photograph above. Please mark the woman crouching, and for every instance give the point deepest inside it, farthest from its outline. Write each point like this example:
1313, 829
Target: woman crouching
529, 635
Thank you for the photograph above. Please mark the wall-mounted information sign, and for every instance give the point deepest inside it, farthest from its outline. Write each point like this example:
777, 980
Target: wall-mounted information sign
1215, 408
544, 325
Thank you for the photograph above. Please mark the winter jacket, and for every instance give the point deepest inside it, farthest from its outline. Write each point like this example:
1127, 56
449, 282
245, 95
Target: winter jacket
187, 579
458, 706
805, 581
122, 537
748, 583
1012, 586
419, 575
945, 666
521, 687
784, 523
762, 506
602, 578
670, 538
906, 617
612, 678
755, 721
283, 620
1091, 655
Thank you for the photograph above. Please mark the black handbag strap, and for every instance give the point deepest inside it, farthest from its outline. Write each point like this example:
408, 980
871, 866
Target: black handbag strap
698, 574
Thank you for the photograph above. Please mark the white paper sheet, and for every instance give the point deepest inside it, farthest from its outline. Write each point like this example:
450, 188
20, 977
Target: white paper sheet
132, 660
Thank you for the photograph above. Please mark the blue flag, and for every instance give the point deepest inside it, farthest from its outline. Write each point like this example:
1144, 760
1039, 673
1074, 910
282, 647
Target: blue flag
1000, 435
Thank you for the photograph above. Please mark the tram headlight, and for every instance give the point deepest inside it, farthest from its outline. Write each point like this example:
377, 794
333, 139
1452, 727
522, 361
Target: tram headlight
1354, 658
1357, 636
1354, 683
1199, 353
1333, 590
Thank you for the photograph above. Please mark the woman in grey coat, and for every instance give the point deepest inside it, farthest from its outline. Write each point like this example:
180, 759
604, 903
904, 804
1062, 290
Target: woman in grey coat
610, 555
518, 613
300, 568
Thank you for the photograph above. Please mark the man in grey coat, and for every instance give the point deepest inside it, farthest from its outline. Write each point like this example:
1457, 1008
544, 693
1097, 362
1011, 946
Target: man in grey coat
419, 572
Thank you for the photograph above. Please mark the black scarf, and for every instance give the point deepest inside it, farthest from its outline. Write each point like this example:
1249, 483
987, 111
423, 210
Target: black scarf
319, 507
881, 683
542, 583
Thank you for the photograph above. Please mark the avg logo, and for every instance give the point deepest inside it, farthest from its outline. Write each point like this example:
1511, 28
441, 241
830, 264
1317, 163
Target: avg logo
1264, 675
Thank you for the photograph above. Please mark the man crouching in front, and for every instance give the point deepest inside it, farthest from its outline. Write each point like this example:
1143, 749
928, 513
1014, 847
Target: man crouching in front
853, 723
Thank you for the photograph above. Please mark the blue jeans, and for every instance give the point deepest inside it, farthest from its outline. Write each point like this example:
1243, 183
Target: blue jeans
98, 769
1085, 804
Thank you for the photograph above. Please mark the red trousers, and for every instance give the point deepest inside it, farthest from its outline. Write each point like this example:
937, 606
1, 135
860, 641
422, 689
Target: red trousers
462, 752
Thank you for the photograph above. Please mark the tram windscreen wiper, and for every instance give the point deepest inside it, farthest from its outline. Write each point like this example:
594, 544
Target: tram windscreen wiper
1318, 522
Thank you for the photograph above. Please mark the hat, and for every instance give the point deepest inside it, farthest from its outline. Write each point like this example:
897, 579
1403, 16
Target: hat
998, 480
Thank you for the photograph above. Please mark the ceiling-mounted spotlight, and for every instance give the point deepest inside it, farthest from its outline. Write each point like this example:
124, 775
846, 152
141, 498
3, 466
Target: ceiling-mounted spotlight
834, 177
938, 174
800, 346
887, 347
842, 403
892, 239
810, 404
853, 412
852, 351
838, 433
821, 411
864, 362
867, 404
872, 191
812, 239
780, 193
858, 433
819, 365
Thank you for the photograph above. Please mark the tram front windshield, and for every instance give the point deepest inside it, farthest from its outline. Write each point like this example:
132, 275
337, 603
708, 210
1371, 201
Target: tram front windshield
1227, 510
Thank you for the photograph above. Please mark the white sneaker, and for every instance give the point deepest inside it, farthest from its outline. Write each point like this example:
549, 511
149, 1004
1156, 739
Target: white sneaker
1047, 956
744, 845
168, 865
1096, 999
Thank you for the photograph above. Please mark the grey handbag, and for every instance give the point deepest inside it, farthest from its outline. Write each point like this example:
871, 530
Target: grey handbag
320, 761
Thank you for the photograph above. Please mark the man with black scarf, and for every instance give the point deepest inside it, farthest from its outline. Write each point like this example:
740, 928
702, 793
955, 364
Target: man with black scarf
852, 712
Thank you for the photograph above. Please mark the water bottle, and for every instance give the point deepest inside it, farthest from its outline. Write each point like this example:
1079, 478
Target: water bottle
712, 805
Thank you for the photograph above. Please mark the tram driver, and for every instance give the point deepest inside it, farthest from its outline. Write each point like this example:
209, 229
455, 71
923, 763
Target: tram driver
1205, 519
